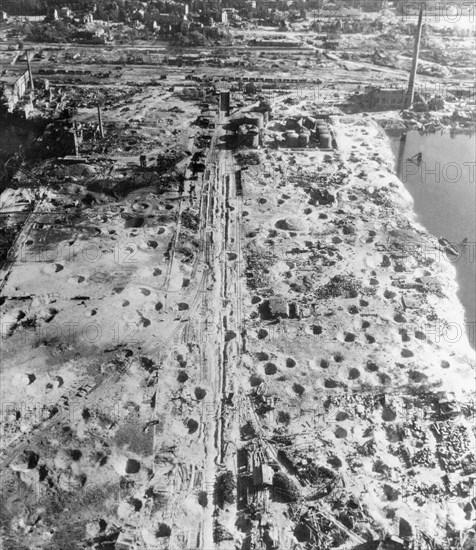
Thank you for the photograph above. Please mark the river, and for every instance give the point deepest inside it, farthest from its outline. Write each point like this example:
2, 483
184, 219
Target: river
443, 186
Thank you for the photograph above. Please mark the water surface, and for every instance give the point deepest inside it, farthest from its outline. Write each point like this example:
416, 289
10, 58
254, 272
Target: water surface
443, 187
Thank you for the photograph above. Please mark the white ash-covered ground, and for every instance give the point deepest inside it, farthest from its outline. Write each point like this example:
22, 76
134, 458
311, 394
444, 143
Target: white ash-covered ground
346, 390
123, 372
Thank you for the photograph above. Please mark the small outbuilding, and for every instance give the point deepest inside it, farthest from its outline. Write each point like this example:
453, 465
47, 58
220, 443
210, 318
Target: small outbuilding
263, 475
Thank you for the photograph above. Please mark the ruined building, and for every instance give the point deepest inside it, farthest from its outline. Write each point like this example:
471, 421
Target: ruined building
13, 85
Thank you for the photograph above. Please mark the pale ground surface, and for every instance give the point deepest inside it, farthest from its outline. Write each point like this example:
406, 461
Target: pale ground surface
135, 327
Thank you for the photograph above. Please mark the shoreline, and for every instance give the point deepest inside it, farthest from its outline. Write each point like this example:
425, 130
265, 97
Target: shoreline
352, 377
351, 345
448, 270
453, 274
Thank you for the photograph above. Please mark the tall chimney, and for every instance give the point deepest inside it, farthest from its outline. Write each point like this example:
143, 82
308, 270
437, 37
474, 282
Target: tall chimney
30, 74
101, 129
416, 50
76, 141
225, 103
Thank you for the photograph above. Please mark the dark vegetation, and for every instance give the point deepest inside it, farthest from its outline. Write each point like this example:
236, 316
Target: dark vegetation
225, 488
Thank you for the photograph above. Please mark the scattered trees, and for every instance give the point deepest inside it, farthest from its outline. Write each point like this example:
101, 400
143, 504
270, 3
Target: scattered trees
220, 534
225, 488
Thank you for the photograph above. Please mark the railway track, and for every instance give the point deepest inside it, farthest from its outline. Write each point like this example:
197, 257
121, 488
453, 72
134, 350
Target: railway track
238, 268
181, 333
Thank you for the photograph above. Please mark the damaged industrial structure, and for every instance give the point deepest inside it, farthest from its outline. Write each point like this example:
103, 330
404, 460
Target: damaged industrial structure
213, 294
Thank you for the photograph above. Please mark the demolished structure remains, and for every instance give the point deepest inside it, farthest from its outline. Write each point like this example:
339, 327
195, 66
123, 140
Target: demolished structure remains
223, 324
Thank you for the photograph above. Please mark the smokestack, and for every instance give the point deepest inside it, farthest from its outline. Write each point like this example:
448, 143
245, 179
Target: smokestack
30, 74
101, 129
225, 103
416, 51
75, 134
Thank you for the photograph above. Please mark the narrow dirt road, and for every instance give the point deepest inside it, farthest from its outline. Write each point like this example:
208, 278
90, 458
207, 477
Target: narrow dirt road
221, 344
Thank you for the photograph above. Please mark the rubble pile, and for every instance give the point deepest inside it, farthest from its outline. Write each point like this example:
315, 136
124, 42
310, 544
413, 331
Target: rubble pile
453, 444
211, 318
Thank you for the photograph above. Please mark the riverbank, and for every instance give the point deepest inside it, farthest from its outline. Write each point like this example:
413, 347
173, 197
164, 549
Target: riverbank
358, 377
337, 361
428, 122
442, 185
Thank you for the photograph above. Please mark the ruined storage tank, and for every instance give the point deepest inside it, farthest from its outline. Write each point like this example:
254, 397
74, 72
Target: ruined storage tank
322, 128
325, 141
291, 139
303, 138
